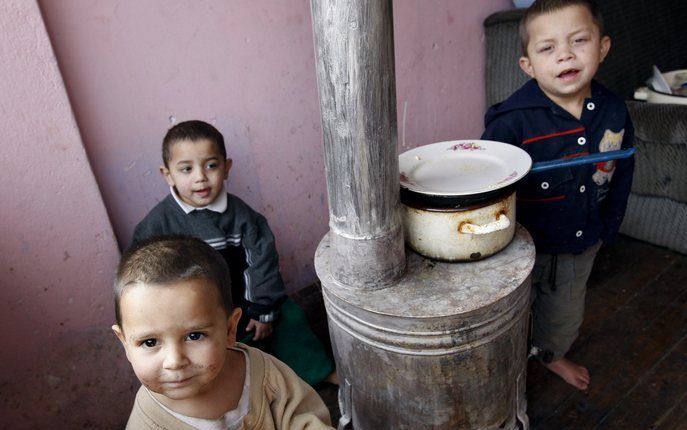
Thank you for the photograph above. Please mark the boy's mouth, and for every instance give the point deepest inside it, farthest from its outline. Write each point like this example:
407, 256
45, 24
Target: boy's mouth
568, 74
178, 383
203, 193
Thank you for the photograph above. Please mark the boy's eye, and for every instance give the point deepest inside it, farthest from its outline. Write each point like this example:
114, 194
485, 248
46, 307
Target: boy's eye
546, 48
195, 335
212, 165
185, 169
580, 40
149, 343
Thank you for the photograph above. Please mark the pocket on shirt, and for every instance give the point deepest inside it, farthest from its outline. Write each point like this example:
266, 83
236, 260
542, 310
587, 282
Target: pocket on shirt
545, 211
542, 187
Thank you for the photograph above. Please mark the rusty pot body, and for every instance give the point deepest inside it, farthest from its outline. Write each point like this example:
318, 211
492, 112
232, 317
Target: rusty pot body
467, 233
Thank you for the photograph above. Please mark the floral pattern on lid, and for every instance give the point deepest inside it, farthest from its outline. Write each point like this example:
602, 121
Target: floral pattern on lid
465, 146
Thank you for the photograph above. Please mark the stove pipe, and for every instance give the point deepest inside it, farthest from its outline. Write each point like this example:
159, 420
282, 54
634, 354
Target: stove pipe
355, 73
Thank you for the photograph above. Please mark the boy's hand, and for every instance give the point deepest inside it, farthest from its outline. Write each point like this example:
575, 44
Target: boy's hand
262, 330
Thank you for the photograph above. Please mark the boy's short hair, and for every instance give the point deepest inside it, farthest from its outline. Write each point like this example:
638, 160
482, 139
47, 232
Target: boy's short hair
192, 130
542, 7
168, 259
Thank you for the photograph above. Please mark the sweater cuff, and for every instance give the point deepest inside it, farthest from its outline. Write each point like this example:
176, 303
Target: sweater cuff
264, 314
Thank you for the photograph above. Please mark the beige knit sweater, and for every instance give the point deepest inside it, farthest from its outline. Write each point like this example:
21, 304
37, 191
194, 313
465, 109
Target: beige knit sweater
278, 400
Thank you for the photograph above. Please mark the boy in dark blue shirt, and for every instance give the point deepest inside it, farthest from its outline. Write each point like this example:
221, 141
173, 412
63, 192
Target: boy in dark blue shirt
562, 113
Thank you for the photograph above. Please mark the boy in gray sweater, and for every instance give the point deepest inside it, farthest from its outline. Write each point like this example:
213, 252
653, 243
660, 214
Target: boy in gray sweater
195, 167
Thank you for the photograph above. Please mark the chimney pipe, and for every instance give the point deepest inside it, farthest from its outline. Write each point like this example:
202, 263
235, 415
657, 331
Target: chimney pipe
355, 72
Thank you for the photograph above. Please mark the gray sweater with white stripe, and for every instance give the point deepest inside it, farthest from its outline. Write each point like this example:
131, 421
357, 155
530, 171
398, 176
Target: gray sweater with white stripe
238, 228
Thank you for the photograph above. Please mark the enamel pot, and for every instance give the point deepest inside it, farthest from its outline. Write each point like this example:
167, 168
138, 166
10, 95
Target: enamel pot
462, 229
458, 197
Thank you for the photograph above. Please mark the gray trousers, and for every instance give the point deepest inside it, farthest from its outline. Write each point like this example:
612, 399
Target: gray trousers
559, 285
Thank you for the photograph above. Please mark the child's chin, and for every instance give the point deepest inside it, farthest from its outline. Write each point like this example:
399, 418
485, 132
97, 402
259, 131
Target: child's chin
177, 394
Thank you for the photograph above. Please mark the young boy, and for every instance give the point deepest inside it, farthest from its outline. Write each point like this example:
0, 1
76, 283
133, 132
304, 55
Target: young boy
562, 113
177, 323
195, 167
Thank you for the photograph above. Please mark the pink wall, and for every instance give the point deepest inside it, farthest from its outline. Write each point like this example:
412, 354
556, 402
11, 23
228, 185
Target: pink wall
247, 67
60, 366
129, 68
440, 69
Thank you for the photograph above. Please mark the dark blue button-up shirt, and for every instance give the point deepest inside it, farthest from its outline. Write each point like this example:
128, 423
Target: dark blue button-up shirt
567, 209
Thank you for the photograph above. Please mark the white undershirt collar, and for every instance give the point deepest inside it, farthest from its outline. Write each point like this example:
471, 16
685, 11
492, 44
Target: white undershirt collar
219, 205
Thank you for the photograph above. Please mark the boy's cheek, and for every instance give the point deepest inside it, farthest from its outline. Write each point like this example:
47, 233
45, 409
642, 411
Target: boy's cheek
149, 384
143, 371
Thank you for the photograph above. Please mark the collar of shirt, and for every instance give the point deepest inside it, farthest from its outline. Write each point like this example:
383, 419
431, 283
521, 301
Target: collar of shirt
531, 96
219, 205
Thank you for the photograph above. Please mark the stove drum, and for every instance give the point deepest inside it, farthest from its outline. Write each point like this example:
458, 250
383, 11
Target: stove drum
445, 348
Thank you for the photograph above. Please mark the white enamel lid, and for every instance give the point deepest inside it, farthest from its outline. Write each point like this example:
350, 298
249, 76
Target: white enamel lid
462, 167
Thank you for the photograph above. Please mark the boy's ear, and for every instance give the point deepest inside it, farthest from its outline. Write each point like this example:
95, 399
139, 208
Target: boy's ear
526, 66
227, 166
605, 47
164, 171
232, 326
120, 335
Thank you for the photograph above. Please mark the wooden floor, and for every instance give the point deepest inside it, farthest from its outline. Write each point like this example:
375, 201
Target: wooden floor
633, 340
634, 343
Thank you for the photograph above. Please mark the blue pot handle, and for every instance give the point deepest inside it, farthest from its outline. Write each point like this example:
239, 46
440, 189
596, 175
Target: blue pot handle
586, 159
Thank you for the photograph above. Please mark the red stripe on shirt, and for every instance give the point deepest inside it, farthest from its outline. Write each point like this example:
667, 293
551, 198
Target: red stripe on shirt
547, 136
579, 154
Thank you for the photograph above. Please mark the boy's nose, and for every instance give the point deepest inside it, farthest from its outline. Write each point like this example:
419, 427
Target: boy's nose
565, 54
201, 176
174, 358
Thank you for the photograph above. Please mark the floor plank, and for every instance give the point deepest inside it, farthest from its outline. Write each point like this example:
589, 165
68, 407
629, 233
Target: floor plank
611, 383
658, 391
619, 350
674, 418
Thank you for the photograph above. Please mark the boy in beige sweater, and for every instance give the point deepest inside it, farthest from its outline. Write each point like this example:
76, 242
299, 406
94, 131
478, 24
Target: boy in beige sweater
176, 321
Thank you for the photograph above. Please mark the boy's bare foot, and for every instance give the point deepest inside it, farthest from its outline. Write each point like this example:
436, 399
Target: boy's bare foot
333, 378
572, 373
